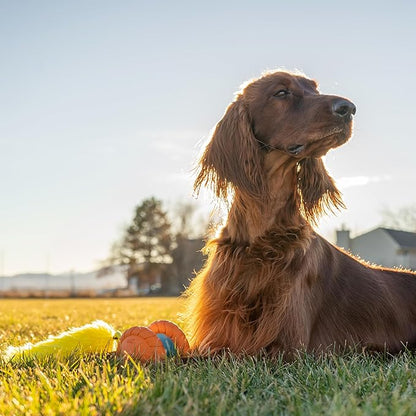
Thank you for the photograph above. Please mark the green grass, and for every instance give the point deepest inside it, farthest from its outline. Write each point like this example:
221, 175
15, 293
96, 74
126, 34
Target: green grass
102, 385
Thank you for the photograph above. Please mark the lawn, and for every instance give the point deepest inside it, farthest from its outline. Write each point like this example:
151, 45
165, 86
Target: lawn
102, 385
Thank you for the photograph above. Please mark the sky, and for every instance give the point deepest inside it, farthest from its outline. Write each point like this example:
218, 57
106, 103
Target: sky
104, 104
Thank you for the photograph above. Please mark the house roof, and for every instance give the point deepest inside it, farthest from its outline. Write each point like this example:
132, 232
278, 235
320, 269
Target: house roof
404, 239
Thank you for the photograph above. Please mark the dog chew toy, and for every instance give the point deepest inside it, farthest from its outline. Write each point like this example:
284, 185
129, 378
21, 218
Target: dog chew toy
159, 340
96, 337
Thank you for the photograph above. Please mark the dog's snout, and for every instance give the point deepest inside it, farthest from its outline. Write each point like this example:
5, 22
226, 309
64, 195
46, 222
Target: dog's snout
343, 108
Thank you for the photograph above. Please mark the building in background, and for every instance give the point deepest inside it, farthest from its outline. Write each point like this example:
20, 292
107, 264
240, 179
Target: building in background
188, 259
382, 246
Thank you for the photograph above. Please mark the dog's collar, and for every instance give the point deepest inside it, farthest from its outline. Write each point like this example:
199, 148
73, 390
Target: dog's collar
267, 147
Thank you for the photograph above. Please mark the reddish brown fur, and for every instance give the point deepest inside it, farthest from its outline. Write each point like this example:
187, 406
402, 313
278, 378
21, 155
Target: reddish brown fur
271, 283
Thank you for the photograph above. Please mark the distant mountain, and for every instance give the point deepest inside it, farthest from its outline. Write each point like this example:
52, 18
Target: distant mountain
64, 281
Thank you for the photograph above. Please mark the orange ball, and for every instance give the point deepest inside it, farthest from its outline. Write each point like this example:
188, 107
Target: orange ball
141, 343
172, 331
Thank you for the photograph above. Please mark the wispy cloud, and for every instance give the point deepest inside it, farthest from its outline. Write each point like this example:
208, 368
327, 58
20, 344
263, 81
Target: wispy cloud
178, 143
353, 181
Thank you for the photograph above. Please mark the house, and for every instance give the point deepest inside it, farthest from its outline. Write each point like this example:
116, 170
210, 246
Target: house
382, 246
188, 259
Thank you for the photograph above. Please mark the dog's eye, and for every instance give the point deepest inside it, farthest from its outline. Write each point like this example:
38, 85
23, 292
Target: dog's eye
281, 93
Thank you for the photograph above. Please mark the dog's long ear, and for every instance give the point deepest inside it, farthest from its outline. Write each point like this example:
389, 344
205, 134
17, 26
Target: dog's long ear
232, 159
317, 189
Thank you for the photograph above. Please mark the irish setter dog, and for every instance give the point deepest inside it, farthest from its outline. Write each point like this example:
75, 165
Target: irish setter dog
271, 283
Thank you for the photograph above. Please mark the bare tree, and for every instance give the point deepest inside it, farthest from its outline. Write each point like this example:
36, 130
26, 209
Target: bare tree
190, 232
186, 222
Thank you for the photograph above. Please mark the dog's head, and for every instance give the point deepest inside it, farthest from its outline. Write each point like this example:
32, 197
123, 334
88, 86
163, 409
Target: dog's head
278, 112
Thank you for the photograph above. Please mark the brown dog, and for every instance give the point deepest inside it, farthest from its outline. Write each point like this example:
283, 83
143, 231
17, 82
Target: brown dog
271, 283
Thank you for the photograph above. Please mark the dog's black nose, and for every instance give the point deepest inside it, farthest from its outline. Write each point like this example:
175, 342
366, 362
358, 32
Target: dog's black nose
343, 108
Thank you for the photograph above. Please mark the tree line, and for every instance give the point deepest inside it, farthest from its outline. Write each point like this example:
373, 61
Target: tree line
158, 253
